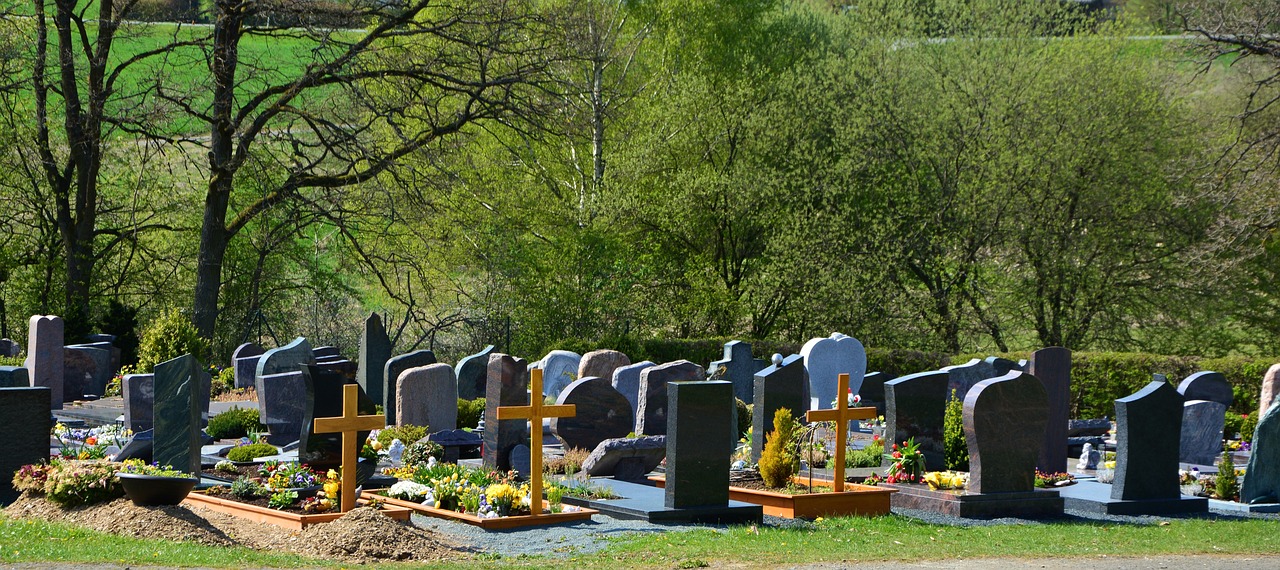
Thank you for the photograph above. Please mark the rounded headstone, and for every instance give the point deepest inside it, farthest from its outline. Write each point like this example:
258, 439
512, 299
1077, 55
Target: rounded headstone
1207, 385
1270, 387
559, 369
1262, 477
602, 413
428, 396
601, 363
826, 359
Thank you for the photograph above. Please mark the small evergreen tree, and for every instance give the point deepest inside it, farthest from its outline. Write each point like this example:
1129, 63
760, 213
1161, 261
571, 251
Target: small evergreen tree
955, 446
779, 461
1225, 486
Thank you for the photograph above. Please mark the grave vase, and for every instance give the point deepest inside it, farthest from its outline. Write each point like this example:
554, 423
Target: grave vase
155, 490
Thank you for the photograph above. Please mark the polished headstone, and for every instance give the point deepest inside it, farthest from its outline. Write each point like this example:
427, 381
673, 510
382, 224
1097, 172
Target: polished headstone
375, 351
1270, 387
44, 360
139, 391
324, 400
176, 414
914, 407
601, 363
739, 367
26, 424
1003, 366
326, 351
651, 413
520, 459
1207, 385
14, 377
1148, 431
101, 372
346, 368
602, 413
455, 442
245, 360
872, 391
77, 374
282, 403
395, 366
627, 458
288, 358
697, 459
1262, 477
508, 385
559, 369
1053, 367
826, 359
204, 394
1004, 424
428, 396
962, 377
9, 348
473, 374
1202, 425
626, 380
777, 386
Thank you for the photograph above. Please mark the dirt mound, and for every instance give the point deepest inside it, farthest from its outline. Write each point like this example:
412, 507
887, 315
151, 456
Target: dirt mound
364, 534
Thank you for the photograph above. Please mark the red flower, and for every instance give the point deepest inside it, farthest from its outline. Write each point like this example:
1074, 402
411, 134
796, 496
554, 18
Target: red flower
895, 447
91, 441
897, 455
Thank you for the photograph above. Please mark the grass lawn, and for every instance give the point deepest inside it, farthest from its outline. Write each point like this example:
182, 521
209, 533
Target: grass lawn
831, 540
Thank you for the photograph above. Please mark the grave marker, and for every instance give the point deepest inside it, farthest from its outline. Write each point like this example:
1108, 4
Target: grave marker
1148, 432
534, 413
14, 377
44, 357
1207, 385
626, 380
841, 415
739, 367
245, 360
375, 351
1053, 367
139, 391
1270, 387
288, 358
176, 414
26, 424
473, 373
9, 348
98, 367
602, 363
778, 386
559, 368
1262, 476
325, 397
428, 396
508, 385
826, 359
1004, 422
602, 413
914, 408
697, 459
651, 414
282, 403
962, 377
396, 366
350, 424
1202, 425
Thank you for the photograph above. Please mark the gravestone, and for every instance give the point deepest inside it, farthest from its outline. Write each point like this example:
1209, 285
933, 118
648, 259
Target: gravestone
1207, 385
1052, 366
872, 391
324, 393
559, 369
602, 363
245, 360
44, 356
14, 377
375, 351
1148, 432
139, 391
99, 373
176, 414
962, 377
326, 352
626, 380
9, 348
914, 406
1004, 423
826, 359
739, 367
473, 372
626, 459
26, 424
520, 459
1270, 387
282, 403
456, 442
428, 396
602, 413
346, 368
394, 368
508, 385
778, 386
697, 459
77, 374
1003, 366
1262, 476
288, 358
651, 413
1202, 424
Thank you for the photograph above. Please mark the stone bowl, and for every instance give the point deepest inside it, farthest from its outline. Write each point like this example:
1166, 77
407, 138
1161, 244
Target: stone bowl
154, 490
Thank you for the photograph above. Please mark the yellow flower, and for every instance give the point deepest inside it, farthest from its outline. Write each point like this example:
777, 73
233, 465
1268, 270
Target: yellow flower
377, 445
332, 474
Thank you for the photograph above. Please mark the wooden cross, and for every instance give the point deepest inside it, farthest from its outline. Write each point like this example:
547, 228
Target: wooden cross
841, 415
349, 424
535, 412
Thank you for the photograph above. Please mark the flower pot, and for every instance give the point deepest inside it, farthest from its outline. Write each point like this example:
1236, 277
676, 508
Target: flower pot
154, 490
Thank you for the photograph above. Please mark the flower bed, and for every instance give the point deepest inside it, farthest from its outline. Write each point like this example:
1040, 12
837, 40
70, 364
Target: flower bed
855, 500
285, 519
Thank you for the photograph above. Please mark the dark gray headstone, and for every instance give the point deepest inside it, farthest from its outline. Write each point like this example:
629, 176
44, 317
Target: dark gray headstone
1003, 366
44, 356
520, 460
508, 386
1004, 422
626, 380
739, 367
288, 358
776, 387
176, 415
627, 459
139, 447
602, 363
392, 370
1262, 477
114, 364
1202, 425
1099, 427
101, 372
914, 406
325, 392
25, 423
247, 350
375, 351
473, 374
1207, 385
204, 394
1053, 367
9, 348
826, 359
139, 392
346, 368
697, 458
323, 351
14, 377
559, 369
455, 441
651, 414
282, 403
964, 376
245, 360
428, 396
1148, 429
601, 413
77, 374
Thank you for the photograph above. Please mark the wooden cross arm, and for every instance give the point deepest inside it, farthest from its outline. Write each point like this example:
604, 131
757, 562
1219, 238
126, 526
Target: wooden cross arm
526, 412
835, 415
358, 423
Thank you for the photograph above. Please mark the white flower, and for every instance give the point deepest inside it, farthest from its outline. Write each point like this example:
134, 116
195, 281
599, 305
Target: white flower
408, 490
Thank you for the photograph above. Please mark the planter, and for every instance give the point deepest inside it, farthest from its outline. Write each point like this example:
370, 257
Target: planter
283, 519
488, 524
855, 500
154, 490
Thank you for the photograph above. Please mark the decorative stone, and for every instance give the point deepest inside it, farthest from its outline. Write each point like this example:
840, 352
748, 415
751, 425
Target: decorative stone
626, 380
962, 377
245, 360
697, 459
1148, 431
627, 459
778, 386
139, 392
914, 406
1262, 477
651, 414
393, 369
99, 373
176, 415
602, 363
1202, 425
26, 424
1053, 367
44, 360
14, 377
428, 396
473, 372
1004, 423
1270, 387
601, 413
739, 367
559, 369
508, 386
1089, 458
288, 358
1207, 385
282, 403
826, 359
375, 351
325, 391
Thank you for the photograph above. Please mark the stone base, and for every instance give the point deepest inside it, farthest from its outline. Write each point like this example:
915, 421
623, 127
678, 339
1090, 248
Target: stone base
648, 503
1244, 508
1038, 503
1094, 497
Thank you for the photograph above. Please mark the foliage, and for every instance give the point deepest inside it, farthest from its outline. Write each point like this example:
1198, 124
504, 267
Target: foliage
139, 467
953, 440
234, 423
744, 411
421, 452
946, 480
779, 461
1052, 479
1226, 486
72, 483
282, 499
277, 475
406, 433
1232, 424
246, 488
169, 336
250, 452
122, 321
1249, 426
870, 456
469, 412
224, 381
568, 463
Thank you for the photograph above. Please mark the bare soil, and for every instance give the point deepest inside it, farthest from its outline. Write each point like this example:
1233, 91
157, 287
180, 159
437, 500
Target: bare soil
362, 535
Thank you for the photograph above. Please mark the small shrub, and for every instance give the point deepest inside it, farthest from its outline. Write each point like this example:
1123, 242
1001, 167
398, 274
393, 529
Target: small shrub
957, 449
251, 452
870, 456
169, 336
225, 381
567, 464
1225, 486
778, 462
234, 423
246, 488
1232, 424
1249, 426
419, 452
405, 433
744, 417
74, 483
469, 412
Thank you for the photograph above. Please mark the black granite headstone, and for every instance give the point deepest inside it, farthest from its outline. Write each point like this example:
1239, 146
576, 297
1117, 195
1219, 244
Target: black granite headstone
697, 459
14, 377
872, 390
473, 375
25, 423
508, 385
288, 358
139, 400
391, 371
914, 406
1002, 366
1053, 367
1262, 477
739, 367
245, 360
1004, 422
375, 351
776, 387
1206, 385
962, 377
324, 396
1148, 431
282, 403
651, 414
176, 414
602, 413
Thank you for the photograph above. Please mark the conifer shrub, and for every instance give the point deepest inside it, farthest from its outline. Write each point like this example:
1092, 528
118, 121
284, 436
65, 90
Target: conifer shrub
954, 444
779, 461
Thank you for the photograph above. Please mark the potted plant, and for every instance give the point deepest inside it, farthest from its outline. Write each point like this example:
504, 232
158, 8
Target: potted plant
152, 485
